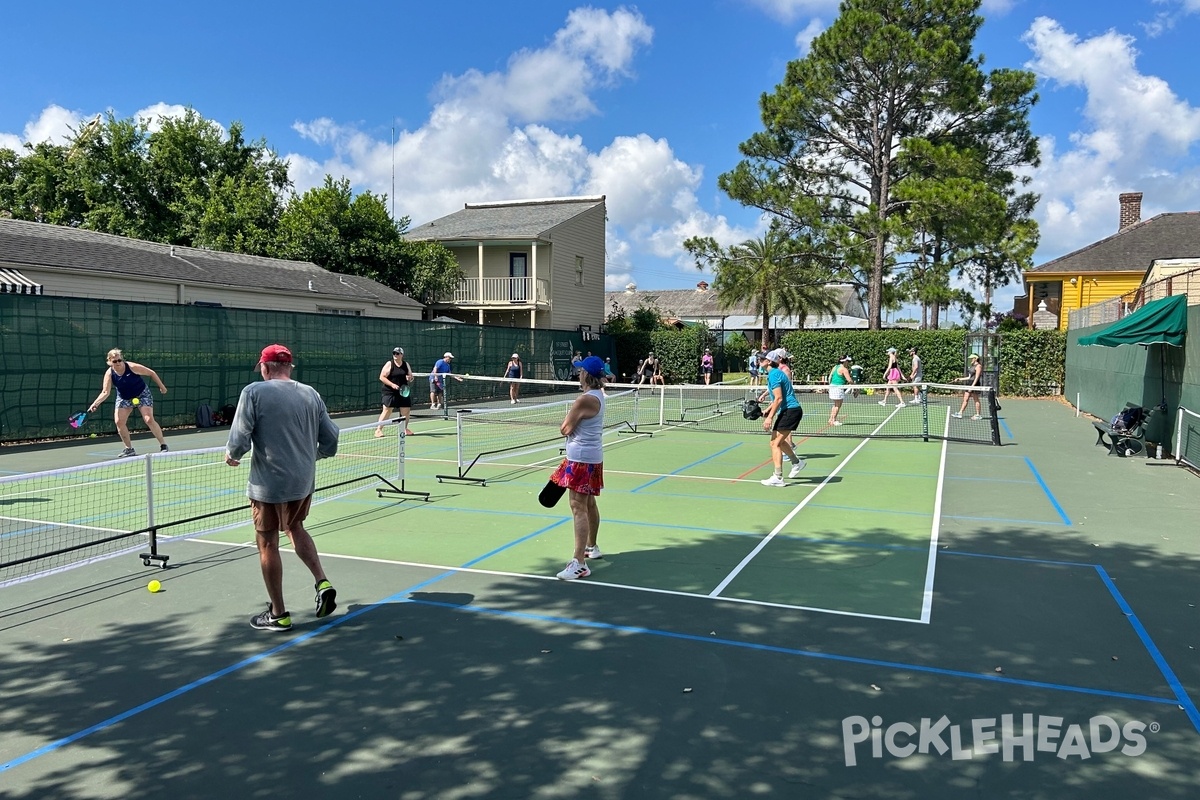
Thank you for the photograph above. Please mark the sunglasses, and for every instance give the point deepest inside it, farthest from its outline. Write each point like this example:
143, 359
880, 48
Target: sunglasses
115, 360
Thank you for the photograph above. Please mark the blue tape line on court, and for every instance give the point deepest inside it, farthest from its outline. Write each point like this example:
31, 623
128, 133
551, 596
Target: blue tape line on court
791, 651
1004, 425
686, 466
304, 637
1181, 695
1050, 495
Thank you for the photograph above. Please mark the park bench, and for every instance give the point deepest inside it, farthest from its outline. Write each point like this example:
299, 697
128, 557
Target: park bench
1124, 442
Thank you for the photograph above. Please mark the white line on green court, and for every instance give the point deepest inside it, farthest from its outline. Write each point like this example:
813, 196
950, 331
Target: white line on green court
589, 582
791, 514
927, 592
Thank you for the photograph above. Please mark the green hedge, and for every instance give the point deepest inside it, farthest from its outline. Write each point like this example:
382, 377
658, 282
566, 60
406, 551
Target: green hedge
814, 353
1033, 363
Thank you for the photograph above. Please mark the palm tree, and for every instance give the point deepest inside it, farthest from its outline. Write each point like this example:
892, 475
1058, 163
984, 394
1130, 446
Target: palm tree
770, 274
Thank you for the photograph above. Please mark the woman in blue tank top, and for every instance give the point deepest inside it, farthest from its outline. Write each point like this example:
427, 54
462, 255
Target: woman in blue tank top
132, 392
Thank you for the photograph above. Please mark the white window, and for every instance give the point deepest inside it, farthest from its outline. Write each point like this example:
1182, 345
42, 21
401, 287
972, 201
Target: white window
579, 270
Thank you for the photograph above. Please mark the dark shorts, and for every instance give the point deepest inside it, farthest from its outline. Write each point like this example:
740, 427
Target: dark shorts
788, 419
706, 370
392, 398
275, 517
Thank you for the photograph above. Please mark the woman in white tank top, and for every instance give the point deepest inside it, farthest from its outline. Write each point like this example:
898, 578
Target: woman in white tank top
582, 471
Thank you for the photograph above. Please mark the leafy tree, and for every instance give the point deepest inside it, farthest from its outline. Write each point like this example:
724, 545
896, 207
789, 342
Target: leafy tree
216, 190
889, 95
737, 352
354, 235
772, 274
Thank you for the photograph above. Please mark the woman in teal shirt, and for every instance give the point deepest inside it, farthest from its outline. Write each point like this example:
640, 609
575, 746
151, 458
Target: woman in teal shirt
782, 417
839, 379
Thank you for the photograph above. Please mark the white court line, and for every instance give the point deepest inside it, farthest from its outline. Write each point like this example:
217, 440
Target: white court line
647, 589
791, 514
927, 591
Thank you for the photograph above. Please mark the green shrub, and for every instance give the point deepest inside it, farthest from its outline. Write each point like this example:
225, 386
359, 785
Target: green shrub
1032, 362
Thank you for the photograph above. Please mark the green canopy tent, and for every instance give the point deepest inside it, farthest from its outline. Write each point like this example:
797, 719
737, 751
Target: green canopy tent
1158, 322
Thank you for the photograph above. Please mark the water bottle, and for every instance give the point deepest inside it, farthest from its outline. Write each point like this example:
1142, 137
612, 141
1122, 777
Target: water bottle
1158, 452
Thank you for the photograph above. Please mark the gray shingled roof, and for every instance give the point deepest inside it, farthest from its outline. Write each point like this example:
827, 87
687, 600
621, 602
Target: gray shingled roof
518, 219
39, 245
692, 303
1175, 235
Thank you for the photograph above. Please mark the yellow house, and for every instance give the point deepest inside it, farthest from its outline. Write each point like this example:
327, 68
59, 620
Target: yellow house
1108, 268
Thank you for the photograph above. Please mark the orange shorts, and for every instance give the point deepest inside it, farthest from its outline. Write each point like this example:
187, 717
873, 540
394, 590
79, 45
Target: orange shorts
272, 518
579, 477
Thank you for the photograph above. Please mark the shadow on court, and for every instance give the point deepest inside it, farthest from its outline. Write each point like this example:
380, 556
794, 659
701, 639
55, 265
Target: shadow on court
494, 686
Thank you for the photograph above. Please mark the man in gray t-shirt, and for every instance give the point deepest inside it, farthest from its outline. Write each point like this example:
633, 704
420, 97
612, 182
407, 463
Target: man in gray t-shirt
286, 425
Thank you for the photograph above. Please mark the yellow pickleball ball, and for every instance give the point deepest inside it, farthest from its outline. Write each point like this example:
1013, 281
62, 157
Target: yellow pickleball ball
153, 586
136, 401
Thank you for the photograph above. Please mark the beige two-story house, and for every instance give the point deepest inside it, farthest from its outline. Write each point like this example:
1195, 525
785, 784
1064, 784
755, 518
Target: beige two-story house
525, 263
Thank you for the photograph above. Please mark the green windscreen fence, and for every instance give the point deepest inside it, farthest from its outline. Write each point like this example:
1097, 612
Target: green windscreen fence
52, 352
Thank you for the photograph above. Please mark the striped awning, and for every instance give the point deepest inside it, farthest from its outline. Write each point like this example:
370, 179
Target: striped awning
13, 282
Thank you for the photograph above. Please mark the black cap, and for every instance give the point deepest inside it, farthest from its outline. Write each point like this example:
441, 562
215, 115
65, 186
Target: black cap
397, 351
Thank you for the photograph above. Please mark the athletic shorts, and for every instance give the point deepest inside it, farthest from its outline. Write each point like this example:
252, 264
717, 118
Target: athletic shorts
392, 398
706, 370
579, 477
435, 384
788, 419
274, 517
145, 400
837, 392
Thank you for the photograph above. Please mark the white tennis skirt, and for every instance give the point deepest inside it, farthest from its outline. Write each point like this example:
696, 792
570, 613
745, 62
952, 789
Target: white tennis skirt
837, 392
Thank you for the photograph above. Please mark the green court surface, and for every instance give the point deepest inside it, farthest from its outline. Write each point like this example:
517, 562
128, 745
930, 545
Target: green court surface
735, 641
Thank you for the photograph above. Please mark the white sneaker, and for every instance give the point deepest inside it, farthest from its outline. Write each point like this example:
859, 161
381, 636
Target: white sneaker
916, 401
512, 402
837, 423
774, 480
574, 570
883, 402
976, 417
794, 472
592, 551
956, 415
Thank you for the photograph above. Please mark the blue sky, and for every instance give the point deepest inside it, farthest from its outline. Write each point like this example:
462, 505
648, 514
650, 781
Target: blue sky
645, 104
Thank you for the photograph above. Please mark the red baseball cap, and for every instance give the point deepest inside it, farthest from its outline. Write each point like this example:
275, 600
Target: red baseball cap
275, 353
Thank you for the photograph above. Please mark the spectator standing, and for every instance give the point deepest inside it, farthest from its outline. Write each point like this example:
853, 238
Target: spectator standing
286, 425
706, 366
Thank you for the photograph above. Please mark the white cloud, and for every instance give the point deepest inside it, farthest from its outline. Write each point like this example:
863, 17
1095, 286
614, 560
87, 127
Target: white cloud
153, 115
791, 10
996, 8
55, 125
490, 137
1135, 134
804, 38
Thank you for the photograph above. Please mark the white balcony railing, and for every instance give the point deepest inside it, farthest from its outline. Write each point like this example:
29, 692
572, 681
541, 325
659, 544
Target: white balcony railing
499, 292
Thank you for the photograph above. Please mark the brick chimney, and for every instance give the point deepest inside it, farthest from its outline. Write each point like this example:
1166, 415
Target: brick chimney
1131, 210
702, 286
